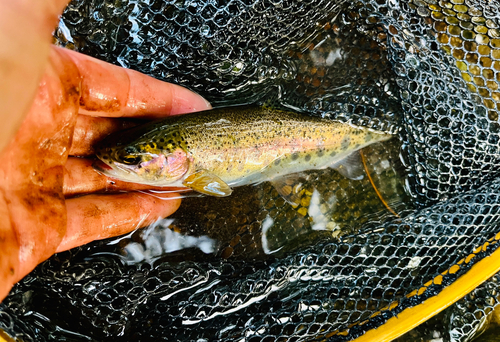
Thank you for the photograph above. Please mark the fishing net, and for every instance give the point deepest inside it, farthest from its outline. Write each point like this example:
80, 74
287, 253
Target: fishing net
253, 268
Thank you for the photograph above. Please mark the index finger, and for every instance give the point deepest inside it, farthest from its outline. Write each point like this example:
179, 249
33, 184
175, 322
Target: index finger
112, 91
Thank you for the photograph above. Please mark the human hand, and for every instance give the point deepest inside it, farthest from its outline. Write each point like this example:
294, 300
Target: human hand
77, 98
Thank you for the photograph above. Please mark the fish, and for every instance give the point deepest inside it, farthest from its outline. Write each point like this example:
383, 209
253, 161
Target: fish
213, 151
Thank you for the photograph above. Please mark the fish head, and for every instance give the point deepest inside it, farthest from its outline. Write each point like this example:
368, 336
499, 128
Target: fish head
142, 161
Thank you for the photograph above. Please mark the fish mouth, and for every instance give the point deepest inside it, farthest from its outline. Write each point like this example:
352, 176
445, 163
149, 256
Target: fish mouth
102, 167
118, 172
108, 170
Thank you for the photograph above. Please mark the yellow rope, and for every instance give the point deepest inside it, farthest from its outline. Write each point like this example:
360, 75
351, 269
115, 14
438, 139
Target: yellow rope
4, 337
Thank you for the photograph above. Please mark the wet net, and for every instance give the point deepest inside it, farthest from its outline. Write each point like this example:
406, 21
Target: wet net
251, 267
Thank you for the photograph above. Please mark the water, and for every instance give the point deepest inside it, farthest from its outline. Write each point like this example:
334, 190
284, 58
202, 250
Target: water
256, 222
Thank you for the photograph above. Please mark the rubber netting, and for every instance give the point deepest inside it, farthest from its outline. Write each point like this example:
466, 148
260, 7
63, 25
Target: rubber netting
426, 70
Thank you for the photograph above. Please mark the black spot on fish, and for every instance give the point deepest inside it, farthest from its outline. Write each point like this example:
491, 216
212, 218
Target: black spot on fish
162, 140
333, 154
320, 153
307, 158
344, 145
295, 155
277, 162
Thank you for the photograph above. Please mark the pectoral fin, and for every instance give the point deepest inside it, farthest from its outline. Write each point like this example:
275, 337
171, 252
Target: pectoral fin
208, 184
290, 188
351, 166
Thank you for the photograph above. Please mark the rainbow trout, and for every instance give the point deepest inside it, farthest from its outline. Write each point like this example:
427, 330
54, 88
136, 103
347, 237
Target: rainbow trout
212, 151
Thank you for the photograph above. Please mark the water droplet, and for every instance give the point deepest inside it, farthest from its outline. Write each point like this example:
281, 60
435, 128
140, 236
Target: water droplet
205, 30
412, 61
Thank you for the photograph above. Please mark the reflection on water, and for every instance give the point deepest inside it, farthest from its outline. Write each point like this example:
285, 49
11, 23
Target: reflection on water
159, 239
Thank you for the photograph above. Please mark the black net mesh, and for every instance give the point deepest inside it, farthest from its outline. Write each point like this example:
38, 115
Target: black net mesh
251, 267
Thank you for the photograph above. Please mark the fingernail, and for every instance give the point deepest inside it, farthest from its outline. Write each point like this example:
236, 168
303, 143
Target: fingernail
187, 101
206, 105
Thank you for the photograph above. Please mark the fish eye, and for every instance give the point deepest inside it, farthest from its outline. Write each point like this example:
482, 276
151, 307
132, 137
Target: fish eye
131, 159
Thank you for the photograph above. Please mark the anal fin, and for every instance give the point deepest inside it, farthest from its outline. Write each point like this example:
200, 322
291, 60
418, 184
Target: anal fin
351, 166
